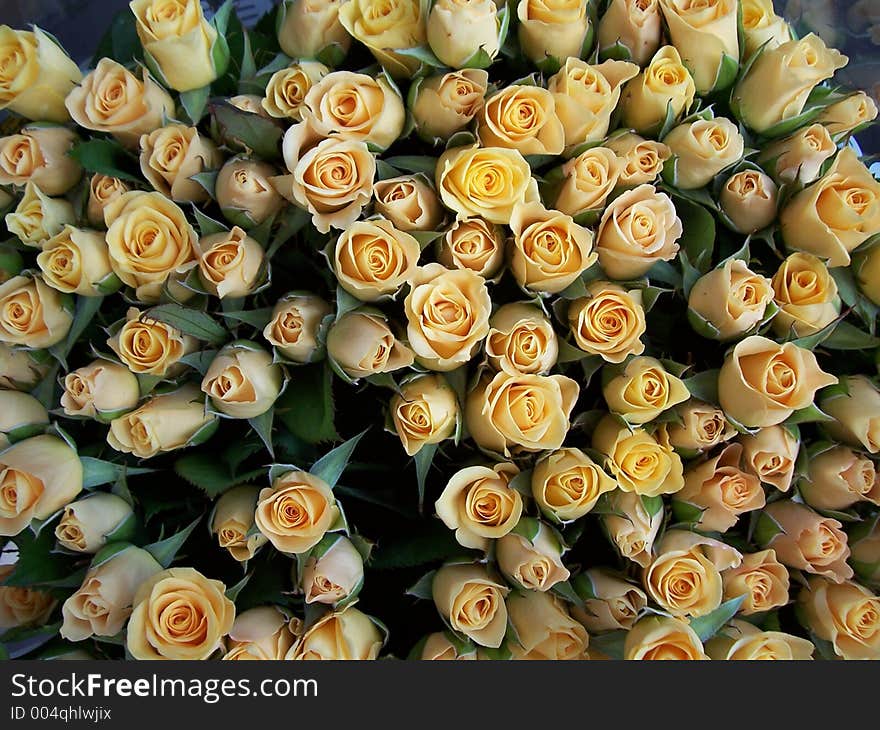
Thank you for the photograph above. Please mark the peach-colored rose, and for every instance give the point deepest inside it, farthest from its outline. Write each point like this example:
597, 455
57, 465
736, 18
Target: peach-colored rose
761, 578
609, 321
846, 614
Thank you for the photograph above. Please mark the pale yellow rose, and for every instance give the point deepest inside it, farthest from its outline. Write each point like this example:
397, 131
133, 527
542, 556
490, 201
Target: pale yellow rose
662, 638
762, 27
446, 103
307, 27
846, 115
40, 155
762, 383
643, 390
700, 427
76, 261
150, 347
702, 149
172, 155
587, 181
800, 156
287, 89
665, 84
761, 578
32, 314
633, 24
535, 563
609, 321
459, 29
522, 118
385, 26
409, 202
520, 412
230, 263
609, 601
293, 329
440, 646
425, 411
566, 484
21, 415
641, 159
362, 344
245, 192
85, 524
544, 629
348, 634
20, 369
242, 381
480, 505
334, 571
554, 28
475, 244
777, 84
164, 423
37, 217
232, 522
103, 390
749, 199
846, 614
471, 599
296, 511
103, 190
631, 527
806, 294
730, 300
741, 641
38, 476
264, 633
21, 606
521, 340
771, 454
856, 413
839, 477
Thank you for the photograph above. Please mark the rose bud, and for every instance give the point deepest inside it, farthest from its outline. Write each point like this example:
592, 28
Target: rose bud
838, 478
761, 578
242, 381
296, 511
348, 634
701, 150
610, 602
179, 614
776, 86
37, 217
609, 322
172, 155
19, 369
103, 190
32, 314
521, 340
38, 476
866, 267
662, 637
806, 295
102, 390
40, 155
382, 27
447, 313
549, 250
588, 180
471, 599
75, 261
554, 29
643, 390
762, 27
740, 640
720, 491
641, 159
771, 454
864, 542
748, 199
685, 576
424, 411
164, 423
232, 520
520, 412
475, 244
446, 103
21, 415
799, 157
633, 24
362, 344
848, 114
805, 540
566, 484
459, 29
293, 329
664, 84
307, 27
631, 527
637, 459
334, 571
287, 89
86, 524
846, 614
441, 646
761, 382
522, 118
230, 263
37, 75
22, 607
373, 259
534, 563
856, 413
112, 99
729, 301
544, 629
244, 192
263, 633
150, 347
700, 427
409, 202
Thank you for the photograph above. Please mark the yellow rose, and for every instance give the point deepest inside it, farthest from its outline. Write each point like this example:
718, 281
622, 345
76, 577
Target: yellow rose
409, 202
242, 381
701, 427
554, 28
664, 84
86, 524
549, 250
384, 26
293, 329
846, 614
172, 155
544, 629
446, 103
232, 522
702, 149
836, 214
178, 41
263, 633
150, 347
587, 181
37, 217
164, 423
373, 259
643, 390
471, 599
837, 478
761, 578
440, 646
609, 321
296, 511
762, 27
800, 156
566, 484
38, 476
522, 118
641, 159
103, 390
521, 340
637, 459
856, 413
447, 312
485, 181
533, 563
520, 412
307, 27
610, 602
777, 84
362, 344
334, 571
806, 294
21, 415
762, 383
748, 199
729, 301
740, 640
846, 115
425, 411
639, 228
720, 490
149, 240
76, 261
480, 505
245, 192
348, 634
23, 606
662, 638
20, 369
230, 263
32, 314
103, 190
287, 88
459, 29
631, 527
475, 244
771, 454
40, 155
633, 24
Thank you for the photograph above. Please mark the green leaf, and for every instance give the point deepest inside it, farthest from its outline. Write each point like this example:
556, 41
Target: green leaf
687, 513
207, 225
189, 321
210, 474
610, 644
423, 459
698, 238
704, 386
330, 466
233, 591
345, 302
849, 337
422, 54
37, 564
652, 505
97, 471
262, 425
810, 414
423, 587
259, 134
200, 360
120, 42
707, 626
166, 550
27, 640
728, 69
414, 163
194, 103
208, 180
433, 542
86, 309
106, 157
